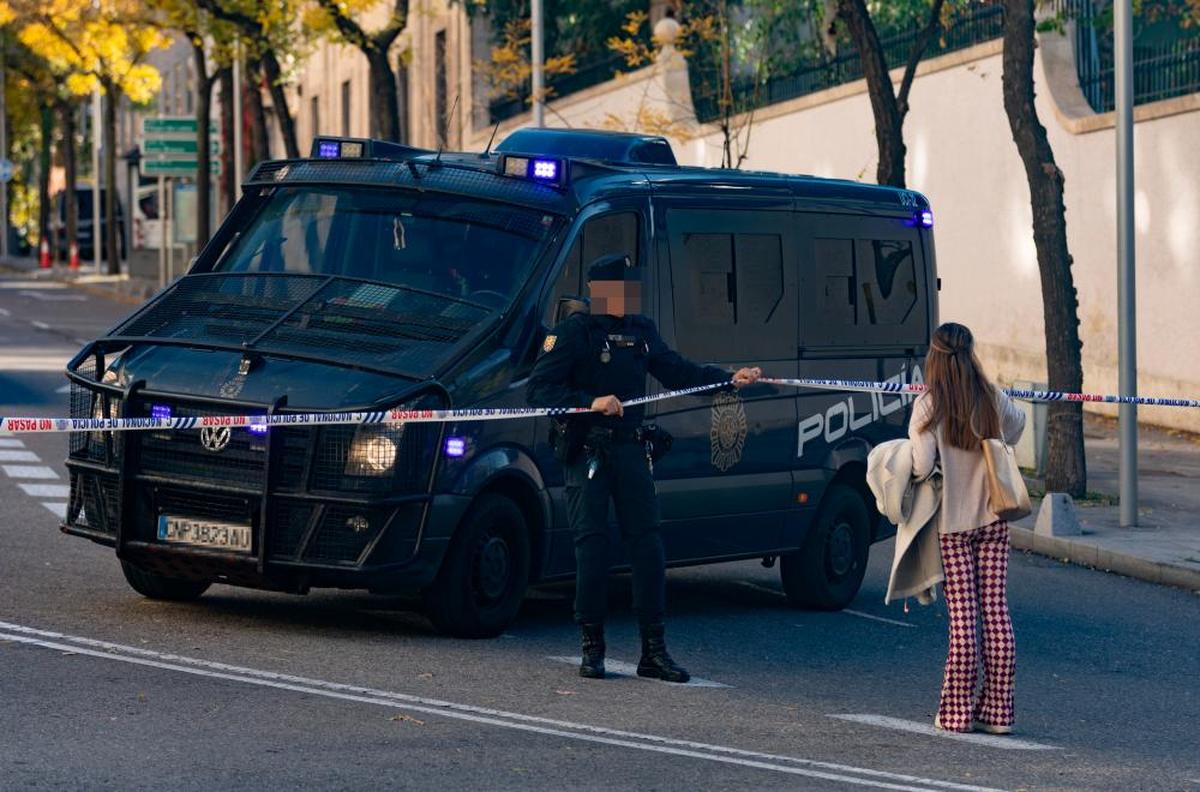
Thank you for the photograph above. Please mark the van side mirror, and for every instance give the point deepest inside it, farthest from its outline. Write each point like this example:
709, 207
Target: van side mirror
568, 306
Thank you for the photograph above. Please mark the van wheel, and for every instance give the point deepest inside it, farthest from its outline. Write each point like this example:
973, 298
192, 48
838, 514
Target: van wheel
826, 573
482, 581
158, 587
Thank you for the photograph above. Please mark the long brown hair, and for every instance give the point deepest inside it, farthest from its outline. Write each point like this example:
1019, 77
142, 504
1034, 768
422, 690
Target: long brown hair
962, 401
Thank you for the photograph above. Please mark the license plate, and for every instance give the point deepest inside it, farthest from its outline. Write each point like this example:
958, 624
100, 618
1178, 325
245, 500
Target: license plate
204, 533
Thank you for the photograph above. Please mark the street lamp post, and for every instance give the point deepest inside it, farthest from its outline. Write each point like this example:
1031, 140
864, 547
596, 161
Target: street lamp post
537, 62
1126, 272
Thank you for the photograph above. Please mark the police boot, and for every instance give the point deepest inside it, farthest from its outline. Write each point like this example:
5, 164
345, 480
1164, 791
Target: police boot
655, 662
592, 666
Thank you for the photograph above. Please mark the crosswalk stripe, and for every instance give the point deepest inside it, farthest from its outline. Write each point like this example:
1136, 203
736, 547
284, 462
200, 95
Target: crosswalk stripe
10, 442
29, 472
18, 456
58, 509
46, 490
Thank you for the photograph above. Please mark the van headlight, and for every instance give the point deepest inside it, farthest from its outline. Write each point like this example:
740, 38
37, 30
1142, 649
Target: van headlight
373, 450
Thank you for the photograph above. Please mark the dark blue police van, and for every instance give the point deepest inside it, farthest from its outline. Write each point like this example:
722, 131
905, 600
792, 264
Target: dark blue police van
373, 276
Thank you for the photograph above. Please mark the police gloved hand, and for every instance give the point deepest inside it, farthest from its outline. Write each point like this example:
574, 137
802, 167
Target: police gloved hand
746, 376
608, 405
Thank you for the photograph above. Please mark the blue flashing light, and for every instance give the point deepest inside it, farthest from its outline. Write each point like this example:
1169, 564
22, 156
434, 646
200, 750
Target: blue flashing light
257, 428
926, 219
160, 411
456, 446
329, 149
546, 170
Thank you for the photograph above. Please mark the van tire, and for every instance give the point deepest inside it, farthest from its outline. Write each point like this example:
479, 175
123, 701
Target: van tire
158, 587
826, 573
479, 588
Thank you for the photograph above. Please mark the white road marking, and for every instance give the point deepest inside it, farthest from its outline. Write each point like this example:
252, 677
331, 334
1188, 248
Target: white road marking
5, 312
37, 295
621, 668
991, 741
848, 611
46, 490
757, 587
18, 456
31, 284
859, 776
10, 442
64, 389
872, 617
34, 359
59, 510
29, 472
40, 325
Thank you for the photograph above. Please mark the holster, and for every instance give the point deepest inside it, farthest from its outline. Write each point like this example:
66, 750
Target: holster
567, 438
656, 439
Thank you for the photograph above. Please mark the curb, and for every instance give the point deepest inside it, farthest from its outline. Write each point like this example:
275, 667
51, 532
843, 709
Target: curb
1088, 555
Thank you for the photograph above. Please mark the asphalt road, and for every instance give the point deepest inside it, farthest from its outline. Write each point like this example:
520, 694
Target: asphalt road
100, 688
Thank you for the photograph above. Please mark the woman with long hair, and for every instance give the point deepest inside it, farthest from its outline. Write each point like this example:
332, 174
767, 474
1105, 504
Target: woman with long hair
959, 410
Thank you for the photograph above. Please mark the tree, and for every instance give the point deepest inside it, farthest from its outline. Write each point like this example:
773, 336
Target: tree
508, 71
888, 105
100, 48
270, 29
1066, 466
338, 15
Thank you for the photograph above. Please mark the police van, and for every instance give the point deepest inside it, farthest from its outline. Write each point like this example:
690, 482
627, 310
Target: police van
372, 276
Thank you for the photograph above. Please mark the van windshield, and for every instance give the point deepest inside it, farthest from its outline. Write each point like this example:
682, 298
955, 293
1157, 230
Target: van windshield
457, 247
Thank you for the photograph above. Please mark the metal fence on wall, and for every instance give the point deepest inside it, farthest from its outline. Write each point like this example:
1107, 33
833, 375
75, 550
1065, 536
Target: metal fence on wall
585, 76
982, 23
1160, 71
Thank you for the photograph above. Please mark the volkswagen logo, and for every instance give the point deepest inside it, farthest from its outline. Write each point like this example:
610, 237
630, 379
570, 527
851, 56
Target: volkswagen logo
214, 438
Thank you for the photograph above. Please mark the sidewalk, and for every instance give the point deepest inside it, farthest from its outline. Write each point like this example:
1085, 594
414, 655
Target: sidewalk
1165, 547
122, 288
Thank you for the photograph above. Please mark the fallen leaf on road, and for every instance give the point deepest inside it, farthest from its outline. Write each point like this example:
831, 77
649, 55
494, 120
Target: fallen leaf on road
406, 718
426, 675
565, 692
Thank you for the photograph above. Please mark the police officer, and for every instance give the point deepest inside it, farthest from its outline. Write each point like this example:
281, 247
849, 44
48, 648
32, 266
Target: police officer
601, 359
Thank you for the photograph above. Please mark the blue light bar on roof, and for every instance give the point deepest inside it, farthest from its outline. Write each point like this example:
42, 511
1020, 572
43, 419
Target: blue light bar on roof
329, 149
540, 169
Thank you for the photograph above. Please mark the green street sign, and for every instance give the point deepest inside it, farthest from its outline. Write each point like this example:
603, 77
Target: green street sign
178, 146
168, 125
185, 168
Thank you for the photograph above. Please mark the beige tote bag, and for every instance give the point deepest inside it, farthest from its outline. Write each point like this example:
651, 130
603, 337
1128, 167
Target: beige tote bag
1007, 497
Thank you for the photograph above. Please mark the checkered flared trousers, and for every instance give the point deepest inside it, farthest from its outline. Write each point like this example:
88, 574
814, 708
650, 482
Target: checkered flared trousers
976, 567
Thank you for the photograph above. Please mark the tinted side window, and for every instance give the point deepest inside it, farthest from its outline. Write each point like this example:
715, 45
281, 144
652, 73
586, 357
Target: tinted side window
600, 236
866, 292
735, 297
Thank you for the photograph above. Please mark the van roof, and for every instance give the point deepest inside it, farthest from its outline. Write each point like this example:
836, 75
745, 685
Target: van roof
589, 171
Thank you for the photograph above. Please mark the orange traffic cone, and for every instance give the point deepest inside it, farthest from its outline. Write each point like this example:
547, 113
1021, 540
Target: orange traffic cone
73, 257
44, 253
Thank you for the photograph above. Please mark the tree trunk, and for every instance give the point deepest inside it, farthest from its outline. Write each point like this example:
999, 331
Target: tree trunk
228, 199
109, 223
260, 147
71, 167
402, 119
1066, 467
385, 103
203, 177
287, 125
889, 122
47, 111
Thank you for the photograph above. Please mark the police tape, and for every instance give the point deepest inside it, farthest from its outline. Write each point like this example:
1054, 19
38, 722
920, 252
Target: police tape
58, 425
1017, 393
182, 423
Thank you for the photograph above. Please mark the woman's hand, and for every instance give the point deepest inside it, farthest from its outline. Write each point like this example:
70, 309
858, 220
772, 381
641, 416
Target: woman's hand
746, 376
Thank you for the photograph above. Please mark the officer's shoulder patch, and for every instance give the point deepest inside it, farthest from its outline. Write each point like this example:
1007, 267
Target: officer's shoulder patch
548, 344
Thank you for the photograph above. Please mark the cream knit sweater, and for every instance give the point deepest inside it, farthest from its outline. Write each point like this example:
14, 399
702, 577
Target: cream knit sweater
964, 473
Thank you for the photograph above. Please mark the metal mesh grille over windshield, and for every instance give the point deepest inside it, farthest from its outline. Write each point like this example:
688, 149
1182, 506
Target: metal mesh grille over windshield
343, 320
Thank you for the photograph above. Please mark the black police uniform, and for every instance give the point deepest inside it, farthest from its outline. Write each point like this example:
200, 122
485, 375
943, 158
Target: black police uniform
587, 357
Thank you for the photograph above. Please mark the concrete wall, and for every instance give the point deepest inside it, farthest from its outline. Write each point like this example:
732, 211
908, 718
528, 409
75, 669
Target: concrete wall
961, 155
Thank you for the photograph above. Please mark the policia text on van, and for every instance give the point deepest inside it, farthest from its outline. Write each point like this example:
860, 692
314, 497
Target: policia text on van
373, 276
